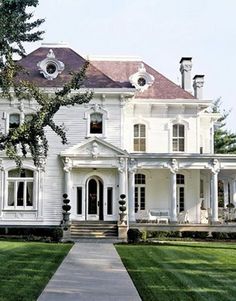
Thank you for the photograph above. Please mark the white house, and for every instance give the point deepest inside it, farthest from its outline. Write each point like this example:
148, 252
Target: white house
141, 135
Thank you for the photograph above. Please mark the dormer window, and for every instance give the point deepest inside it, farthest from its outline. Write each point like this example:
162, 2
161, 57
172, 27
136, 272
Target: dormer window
141, 80
50, 67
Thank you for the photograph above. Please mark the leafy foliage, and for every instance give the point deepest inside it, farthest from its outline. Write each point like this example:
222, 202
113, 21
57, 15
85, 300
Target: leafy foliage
16, 28
224, 140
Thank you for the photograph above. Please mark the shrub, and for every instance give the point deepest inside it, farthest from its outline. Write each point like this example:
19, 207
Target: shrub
57, 234
174, 234
188, 234
134, 235
201, 234
232, 235
220, 235
144, 235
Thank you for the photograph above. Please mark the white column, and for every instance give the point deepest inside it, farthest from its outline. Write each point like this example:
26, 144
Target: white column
67, 181
173, 214
121, 182
131, 188
233, 193
226, 193
214, 202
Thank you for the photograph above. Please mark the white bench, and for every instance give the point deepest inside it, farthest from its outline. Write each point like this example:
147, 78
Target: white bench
159, 215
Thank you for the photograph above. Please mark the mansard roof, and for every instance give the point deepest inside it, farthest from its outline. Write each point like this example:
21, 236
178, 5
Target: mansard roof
100, 74
162, 87
73, 63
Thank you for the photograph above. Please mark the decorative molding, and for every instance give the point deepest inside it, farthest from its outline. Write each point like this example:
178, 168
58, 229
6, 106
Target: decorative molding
141, 80
173, 166
132, 166
94, 151
50, 67
67, 164
121, 167
214, 166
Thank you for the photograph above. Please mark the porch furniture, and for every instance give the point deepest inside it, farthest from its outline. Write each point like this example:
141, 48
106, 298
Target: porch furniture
183, 217
159, 215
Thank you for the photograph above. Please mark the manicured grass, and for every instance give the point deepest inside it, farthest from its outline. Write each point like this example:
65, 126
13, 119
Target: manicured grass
182, 271
25, 268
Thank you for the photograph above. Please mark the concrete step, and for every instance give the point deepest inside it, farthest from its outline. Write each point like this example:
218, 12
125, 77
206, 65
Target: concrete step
93, 229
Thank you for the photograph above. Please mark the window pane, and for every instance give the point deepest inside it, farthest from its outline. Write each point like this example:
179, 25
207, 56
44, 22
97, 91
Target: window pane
10, 193
136, 199
20, 194
142, 130
14, 121
175, 145
181, 144
179, 179
181, 199
136, 131
142, 198
109, 200
29, 194
96, 123
79, 200
181, 130
136, 145
175, 130
142, 145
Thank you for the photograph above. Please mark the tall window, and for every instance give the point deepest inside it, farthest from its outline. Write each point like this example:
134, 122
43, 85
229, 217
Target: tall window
139, 138
14, 121
178, 138
96, 123
140, 193
20, 188
180, 181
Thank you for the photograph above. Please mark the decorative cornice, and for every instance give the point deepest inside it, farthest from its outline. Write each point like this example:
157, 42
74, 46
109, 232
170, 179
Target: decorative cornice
147, 78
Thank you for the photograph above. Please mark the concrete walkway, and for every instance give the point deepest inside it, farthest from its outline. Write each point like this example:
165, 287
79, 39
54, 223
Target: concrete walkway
92, 271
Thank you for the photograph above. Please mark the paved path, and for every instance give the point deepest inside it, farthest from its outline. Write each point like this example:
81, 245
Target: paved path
92, 271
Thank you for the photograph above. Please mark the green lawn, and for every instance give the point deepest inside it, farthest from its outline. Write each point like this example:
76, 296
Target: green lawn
182, 271
25, 268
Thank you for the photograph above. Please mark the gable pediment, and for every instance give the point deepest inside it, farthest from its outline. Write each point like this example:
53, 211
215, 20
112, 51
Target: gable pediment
94, 147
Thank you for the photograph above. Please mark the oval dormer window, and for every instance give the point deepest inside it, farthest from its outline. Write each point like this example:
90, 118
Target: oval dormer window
51, 68
142, 81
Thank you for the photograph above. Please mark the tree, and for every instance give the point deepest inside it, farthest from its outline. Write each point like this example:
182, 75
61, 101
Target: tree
224, 140
16, 28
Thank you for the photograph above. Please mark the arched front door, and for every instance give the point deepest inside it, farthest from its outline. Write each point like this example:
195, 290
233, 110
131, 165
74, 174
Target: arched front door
94, 204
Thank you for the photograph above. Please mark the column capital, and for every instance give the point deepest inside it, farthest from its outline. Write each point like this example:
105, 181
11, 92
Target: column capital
121, 167
67, 164
132, 166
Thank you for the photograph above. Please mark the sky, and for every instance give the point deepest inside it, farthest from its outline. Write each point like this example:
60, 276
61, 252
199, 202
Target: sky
158, 31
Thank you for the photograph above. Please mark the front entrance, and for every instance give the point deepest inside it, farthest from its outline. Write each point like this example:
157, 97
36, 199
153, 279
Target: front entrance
94, 199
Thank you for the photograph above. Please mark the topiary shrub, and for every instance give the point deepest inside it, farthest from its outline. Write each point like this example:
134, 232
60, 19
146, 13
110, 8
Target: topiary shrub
134, 235
220, 235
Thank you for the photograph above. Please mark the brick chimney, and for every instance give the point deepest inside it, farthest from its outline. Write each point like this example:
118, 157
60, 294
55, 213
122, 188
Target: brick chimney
198, 82
185, 69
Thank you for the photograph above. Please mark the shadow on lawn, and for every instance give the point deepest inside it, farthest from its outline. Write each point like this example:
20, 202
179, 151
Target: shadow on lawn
196, 245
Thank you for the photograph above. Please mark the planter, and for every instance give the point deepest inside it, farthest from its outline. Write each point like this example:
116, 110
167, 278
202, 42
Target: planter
66, 216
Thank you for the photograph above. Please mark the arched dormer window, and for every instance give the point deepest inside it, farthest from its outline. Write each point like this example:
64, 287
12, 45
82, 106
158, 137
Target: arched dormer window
14, 121
178, 138
139, 138
20, 188
96, 124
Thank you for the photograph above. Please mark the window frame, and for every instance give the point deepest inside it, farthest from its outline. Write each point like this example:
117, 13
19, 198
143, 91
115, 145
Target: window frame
87, 117
139, 137
178, 138
139, 190
16, 180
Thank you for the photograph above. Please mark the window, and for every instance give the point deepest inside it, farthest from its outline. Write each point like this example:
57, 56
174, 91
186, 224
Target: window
79, 200
140, 192
180, 181
96, 123
14, 121
109, 200
20, 188
139, 138
178, 138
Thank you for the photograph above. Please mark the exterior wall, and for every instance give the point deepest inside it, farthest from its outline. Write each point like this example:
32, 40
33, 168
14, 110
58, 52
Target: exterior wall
159, 121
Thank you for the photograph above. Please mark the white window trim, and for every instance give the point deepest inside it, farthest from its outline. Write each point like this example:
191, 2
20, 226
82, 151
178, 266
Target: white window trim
36, 192
105, 117
22, 117
169, 127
